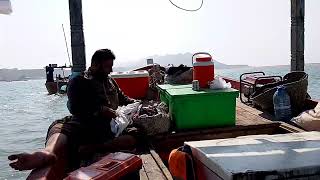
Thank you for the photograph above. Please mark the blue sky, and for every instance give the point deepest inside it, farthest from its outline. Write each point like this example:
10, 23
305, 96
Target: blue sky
253, 32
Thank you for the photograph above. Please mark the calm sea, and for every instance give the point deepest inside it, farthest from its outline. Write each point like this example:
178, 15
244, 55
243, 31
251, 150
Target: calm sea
26, 111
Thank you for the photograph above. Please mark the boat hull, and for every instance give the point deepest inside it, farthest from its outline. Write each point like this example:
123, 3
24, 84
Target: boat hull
55, 87
51, 87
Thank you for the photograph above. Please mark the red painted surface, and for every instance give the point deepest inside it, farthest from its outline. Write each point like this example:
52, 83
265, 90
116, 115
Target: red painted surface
203, 59
235, 84
136, 87
204, 74
253, 80
111, 167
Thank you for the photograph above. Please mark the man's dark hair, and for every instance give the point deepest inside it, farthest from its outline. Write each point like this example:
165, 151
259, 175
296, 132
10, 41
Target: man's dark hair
102, 55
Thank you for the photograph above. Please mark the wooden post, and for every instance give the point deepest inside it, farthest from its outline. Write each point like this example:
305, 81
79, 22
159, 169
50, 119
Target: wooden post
77, 36
297, 35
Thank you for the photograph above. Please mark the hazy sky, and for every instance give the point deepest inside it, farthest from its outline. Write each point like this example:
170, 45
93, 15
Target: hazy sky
253, 32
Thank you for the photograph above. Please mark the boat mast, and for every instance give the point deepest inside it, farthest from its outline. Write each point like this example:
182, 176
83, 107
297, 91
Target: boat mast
77, 36
297, 35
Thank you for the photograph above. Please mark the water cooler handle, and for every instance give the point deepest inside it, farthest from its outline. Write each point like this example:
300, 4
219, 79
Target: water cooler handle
200, 53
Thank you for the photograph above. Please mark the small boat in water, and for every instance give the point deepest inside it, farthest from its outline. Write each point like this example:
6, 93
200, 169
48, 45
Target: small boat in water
59, 84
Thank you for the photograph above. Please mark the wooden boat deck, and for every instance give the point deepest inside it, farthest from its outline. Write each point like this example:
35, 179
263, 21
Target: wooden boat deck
246, 116
248, 121
153, 167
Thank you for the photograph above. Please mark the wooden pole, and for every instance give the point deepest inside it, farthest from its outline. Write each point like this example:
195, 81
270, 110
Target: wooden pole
77, 36
297, 35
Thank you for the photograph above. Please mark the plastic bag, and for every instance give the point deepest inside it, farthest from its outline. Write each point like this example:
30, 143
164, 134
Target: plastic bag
130, 110
219, 83
5, 7
124, 118
119, 124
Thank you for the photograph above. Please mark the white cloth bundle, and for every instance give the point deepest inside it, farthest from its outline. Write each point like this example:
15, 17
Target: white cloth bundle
309, 120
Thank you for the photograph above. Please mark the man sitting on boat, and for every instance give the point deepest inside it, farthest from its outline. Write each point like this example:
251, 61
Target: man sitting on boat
92, 100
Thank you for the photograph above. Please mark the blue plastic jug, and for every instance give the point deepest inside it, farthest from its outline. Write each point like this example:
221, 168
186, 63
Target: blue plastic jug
281, 104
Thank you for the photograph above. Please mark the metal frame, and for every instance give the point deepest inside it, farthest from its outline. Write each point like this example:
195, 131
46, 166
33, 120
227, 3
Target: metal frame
254, 85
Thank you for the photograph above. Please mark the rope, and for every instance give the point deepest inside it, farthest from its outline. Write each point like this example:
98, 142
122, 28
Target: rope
65, 40
192, 10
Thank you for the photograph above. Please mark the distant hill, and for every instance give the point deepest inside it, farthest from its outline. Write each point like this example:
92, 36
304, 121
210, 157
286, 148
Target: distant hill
21, 75
28, 74
175, 59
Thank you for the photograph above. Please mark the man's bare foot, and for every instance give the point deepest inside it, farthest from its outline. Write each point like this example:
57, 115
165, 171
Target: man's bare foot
26, 161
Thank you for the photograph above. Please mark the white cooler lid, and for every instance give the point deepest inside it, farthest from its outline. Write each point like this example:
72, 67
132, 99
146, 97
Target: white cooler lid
296, 152
207, 63
130, 74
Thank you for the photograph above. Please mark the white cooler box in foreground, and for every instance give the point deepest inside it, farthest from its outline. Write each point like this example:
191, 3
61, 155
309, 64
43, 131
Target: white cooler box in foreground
284, 156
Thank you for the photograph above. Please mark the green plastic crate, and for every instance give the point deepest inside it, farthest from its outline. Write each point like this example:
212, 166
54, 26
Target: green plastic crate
202, 109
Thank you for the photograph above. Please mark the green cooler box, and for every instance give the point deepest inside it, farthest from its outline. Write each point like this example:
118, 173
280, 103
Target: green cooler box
162, 90
201, 109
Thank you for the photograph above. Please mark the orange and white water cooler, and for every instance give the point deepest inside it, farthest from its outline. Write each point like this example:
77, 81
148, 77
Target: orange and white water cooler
203, 68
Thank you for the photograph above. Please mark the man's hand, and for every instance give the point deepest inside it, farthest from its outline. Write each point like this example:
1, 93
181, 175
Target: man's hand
108, 112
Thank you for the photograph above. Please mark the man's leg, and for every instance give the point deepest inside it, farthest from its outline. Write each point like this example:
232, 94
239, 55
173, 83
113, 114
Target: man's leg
56, 148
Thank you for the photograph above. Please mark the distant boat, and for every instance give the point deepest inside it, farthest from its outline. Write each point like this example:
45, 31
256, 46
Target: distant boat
60, 83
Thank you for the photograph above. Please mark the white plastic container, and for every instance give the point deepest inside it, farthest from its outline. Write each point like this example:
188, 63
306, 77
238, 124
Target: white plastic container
258, 157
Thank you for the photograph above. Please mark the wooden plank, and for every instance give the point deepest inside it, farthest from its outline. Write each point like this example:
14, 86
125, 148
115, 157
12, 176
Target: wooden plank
214, 131
262, 116
143, 174
151, 168
246, 119
248, 108
163, 168
291, 128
